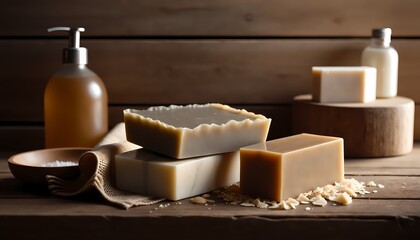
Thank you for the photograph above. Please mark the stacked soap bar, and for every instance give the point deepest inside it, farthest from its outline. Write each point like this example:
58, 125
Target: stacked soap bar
194, 130
208, 135
145, 172
285, 167
344, 84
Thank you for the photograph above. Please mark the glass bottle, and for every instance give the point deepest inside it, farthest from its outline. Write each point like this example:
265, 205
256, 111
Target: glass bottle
75, 100
384, 57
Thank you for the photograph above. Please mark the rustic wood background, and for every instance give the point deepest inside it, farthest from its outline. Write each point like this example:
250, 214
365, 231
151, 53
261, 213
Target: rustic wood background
246, 53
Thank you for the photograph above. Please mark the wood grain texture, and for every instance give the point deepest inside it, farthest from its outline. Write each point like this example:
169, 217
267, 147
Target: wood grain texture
206, 227
180, 72
27, 136
382, 128
391, 212
212, 17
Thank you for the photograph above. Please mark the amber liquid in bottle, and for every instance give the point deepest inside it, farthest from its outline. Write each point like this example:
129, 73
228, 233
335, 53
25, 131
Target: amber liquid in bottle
75, 108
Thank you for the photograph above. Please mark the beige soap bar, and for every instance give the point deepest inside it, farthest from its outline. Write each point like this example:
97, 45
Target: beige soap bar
194, 130
344, 84
286, 167
144, 172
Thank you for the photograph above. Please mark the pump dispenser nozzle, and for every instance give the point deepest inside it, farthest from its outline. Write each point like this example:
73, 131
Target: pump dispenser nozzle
74, 54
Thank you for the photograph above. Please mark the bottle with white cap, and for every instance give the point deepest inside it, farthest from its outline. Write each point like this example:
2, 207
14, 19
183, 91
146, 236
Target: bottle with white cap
384, 57
75, 99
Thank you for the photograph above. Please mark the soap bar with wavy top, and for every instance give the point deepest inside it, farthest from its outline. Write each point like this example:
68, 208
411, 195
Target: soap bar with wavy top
144, 172
194, 130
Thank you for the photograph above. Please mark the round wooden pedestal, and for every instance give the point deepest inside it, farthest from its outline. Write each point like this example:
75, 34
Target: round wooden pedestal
382, 128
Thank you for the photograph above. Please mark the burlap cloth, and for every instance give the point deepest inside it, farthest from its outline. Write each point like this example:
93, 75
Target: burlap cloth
97, 171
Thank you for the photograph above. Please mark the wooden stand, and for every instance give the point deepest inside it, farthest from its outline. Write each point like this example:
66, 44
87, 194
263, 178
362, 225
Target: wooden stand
382, 128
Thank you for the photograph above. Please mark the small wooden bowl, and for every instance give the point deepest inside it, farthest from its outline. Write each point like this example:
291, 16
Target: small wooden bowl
27, 167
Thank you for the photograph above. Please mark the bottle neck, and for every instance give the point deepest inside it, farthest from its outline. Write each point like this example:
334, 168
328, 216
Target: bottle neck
380, 42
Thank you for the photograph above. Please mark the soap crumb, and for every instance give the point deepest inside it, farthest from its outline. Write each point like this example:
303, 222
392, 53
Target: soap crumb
198, 200
307, 208
381, 186
375, 191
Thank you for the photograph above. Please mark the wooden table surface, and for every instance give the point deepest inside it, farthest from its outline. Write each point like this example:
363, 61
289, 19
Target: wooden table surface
392, 212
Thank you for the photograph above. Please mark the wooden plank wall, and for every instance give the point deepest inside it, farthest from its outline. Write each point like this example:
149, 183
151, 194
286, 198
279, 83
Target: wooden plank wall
246, 53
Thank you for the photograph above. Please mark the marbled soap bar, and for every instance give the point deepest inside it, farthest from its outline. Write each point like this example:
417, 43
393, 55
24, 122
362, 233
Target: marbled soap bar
144, 172
285, 167
344, 84
194, 130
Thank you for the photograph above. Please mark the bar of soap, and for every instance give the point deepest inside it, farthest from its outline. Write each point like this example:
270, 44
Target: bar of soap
144, 172
344, 84
285, 167
194, 130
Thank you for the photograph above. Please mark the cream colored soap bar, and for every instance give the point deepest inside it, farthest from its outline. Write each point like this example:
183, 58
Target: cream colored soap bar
344, 84
286, 167
144, 172
194, 130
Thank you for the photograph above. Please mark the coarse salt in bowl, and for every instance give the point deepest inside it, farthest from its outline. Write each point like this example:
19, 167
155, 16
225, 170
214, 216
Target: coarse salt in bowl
32, 167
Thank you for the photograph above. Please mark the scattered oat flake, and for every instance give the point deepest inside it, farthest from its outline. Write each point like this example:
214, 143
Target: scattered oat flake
339, 192
259, 204
381, 186
206, 195
307, 208
164, 205
284, 205
375, 191
303, 199
320, 201
371, 184
343, 198
247, 205
198, 200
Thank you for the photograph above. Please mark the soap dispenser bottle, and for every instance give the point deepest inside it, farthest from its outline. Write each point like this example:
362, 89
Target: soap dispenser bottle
381, 55
75, 100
